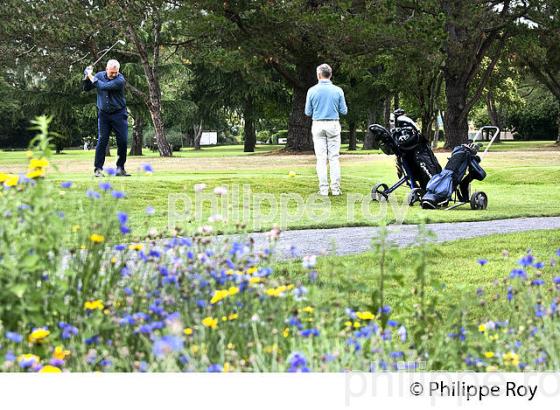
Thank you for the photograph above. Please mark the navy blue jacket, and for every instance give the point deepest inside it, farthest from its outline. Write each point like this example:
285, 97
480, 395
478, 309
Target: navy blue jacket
110, 93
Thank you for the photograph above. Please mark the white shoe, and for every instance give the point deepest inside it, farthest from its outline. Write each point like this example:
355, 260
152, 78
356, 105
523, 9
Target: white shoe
323, 193
336, 192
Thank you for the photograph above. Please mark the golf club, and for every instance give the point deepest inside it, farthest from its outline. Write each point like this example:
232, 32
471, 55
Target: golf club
109, 49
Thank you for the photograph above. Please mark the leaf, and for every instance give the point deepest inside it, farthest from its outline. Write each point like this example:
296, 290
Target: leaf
19, 289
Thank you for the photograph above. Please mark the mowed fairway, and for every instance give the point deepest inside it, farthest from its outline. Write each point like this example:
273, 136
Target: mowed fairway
519, 183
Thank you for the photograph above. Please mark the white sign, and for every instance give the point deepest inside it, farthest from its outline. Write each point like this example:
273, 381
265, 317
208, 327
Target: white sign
209, 138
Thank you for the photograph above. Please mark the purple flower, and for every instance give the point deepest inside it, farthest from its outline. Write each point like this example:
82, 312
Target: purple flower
539, 265
537, 282
558, 252
147, 168
150, 210
166, 345
392, 323
125, 229
14, 337
120, 247
110, 171
527, 260
214, 368
104, 186
518, 273
10, 356
90, 193
298, 363
397, 355
122, 217
118, 194
309, 332
556, 280
66, 184
482, 262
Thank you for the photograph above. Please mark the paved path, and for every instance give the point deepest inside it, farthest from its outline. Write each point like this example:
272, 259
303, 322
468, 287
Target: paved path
344, 241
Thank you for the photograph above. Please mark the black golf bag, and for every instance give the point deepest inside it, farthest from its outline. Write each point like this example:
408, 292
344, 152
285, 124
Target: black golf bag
452, 179
416, 163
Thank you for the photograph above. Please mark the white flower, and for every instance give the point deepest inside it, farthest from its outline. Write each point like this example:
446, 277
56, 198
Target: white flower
215, 218
205, 229
309, 261
199, 187
255, 318
220, 190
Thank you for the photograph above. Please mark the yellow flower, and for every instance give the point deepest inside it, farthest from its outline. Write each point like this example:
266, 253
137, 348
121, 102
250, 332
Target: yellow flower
271, 348
255, 279
224, 318
11, 180
50, 369
308, 309
233, 316
348, 323
136, 247
251, 270
291, 174
489, 355
230, 346
38, 163
3, 177
286, 332
113, 260
75, 228
482, 328
38, 335
357, 324
227, 367
493, 337
96, 238
195, 349
60, 353
233, 290
94, 305
188, 331
210, 322
36, 173
365, 315
218, 296
511, 358
277, 292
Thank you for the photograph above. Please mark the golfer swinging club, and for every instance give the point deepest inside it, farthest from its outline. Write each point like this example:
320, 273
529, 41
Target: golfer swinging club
111, 113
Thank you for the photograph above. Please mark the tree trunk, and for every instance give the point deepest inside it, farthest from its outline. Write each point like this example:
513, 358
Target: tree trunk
299, 125
455, 122
387, 113
375, 116
155, 112
352, 138
197, 135
558, 124
137, 136
250, 137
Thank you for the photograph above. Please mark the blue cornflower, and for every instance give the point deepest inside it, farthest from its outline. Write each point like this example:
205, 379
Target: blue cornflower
538, 265
396, 355
105, 363
14, 337
537, 282
110, 171
402, 333
558, 252
386, 309
150, 210
104, 186
527, 260
147, 168
67, 330
298, 363
92, 340
127, 320
125, 229
509, 293
128, 291
539, 310
518, 273
122, 217
167, 344
90, 193
309, 332
392, 323
66, 184
118, 194
214, 368
120, 247
556, 280
313, 276
143, 367
482, 262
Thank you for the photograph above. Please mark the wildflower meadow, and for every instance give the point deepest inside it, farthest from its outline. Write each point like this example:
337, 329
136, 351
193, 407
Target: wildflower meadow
82, 292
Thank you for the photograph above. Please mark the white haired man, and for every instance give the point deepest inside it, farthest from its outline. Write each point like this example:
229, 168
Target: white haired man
111, 113
325, 102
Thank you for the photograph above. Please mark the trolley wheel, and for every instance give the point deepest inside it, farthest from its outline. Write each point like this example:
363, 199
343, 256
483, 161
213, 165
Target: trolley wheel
479, 200
414, 196
378, 192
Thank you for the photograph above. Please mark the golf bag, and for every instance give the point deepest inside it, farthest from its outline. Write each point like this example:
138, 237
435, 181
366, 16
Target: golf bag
416, 163
452, 179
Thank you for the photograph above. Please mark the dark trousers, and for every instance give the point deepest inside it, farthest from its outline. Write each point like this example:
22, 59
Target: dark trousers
118, 122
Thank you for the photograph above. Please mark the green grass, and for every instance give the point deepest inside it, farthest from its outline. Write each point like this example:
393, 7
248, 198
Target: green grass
348, 280
519, 184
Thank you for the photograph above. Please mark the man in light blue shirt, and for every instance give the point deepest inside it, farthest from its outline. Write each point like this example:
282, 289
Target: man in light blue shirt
325, 102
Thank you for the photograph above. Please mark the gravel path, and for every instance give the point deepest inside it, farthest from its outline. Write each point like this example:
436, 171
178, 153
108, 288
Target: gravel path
345, 241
